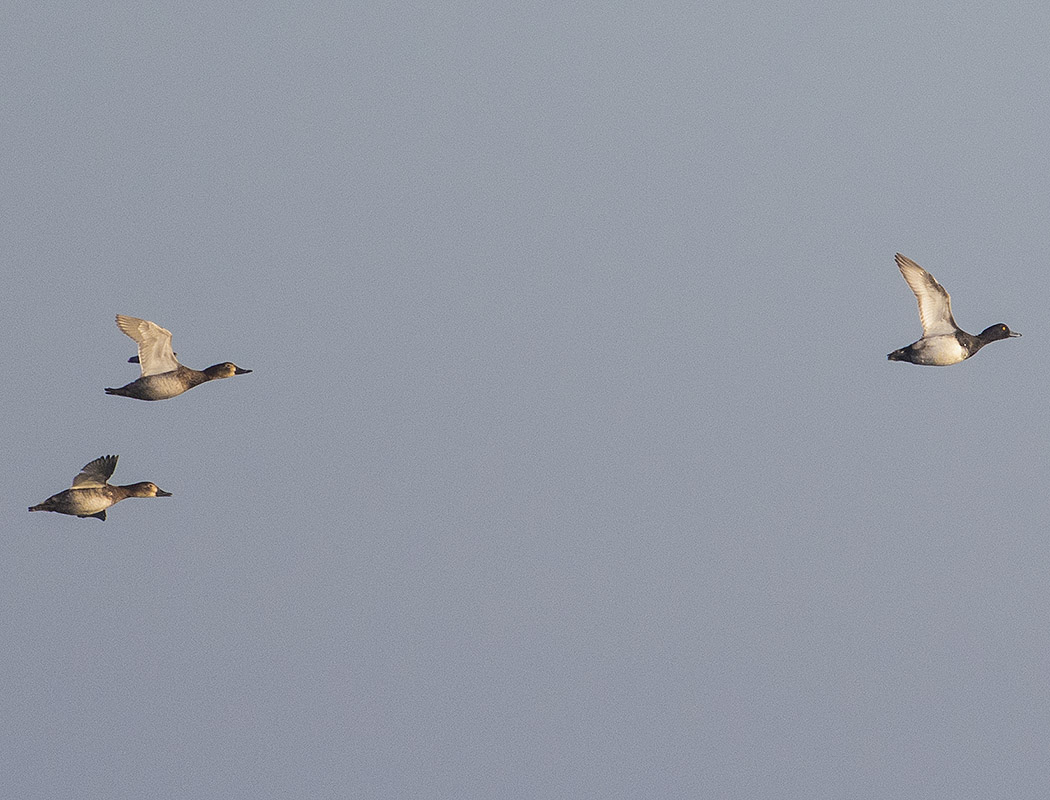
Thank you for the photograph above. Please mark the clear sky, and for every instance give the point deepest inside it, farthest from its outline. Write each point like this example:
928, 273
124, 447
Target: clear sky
571, 464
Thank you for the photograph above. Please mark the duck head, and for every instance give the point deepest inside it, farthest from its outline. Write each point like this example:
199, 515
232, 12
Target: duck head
145, 489
224, 370
994, 333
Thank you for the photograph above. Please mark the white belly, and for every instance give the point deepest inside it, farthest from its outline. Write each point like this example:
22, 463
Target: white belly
941, 351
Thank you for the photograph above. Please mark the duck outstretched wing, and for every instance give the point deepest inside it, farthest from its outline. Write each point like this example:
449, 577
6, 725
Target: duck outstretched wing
935, 304
95, 474
155, 353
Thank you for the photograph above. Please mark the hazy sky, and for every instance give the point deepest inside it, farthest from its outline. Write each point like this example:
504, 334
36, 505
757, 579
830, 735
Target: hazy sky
571, 465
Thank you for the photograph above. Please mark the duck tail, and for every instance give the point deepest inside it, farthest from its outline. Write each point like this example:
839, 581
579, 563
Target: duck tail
896, 355
116, 391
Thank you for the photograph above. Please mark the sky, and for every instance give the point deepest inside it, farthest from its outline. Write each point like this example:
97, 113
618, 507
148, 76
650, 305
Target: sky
571, 464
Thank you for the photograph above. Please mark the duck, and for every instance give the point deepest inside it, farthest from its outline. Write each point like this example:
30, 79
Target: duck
943, 343
92, 494
163, 377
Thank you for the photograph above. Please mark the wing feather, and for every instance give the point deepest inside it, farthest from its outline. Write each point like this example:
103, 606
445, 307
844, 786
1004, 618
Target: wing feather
935, 304
96, 473
155, 353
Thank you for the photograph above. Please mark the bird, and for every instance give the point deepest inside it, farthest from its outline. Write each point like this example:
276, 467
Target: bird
91, 494
943, 343
163, 377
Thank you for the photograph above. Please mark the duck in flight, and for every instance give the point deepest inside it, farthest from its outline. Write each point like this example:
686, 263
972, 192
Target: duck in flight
163, 376
92, 493
943, 342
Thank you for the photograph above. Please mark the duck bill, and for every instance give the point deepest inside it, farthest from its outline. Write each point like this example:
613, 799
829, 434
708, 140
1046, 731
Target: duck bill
239, 371
162, 493
1014, 334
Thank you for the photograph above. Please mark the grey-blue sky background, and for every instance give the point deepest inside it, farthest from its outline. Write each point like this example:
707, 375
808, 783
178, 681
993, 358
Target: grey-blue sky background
571, 464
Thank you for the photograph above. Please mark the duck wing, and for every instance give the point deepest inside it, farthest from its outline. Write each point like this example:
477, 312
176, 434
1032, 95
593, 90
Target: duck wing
95, 474
155, 353
935, 304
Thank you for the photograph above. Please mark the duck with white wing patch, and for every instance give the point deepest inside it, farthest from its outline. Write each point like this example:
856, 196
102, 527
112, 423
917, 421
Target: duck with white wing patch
163, 376
943, 343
